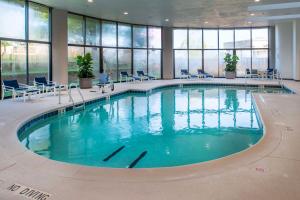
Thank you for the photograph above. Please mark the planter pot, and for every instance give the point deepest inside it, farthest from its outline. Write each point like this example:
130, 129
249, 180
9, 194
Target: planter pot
85, 83
230, 75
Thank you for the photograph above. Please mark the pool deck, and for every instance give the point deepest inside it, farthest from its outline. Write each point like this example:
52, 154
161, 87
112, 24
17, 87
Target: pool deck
269, 170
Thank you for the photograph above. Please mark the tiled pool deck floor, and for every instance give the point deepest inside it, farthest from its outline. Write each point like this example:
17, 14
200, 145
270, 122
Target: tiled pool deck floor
269, 170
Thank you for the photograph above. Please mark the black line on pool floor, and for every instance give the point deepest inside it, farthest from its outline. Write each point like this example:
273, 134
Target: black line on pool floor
137, 160
113, 154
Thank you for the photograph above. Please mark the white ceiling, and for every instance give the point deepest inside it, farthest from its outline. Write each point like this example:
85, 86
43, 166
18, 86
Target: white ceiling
182, 13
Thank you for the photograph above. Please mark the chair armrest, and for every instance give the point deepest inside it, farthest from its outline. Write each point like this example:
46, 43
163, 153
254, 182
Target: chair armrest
8, 88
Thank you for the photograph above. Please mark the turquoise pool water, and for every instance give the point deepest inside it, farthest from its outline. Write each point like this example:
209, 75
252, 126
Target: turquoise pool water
170, 126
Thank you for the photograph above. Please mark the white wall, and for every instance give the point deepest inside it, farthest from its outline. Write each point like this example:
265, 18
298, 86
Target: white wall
284, 49
296, 50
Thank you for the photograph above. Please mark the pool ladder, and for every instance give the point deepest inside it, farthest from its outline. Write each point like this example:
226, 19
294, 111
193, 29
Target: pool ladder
71, 99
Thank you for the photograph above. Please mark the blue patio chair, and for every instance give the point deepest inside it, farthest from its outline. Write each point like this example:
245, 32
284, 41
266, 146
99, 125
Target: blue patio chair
125, 76
203, 74
104, 81
46, 86
184, 74
17, 89
143, 76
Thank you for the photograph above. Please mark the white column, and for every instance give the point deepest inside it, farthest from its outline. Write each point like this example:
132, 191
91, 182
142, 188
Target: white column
168, 71
60, 46
284, 49
296, 50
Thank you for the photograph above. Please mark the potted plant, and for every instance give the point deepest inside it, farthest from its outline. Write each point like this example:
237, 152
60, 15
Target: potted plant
85, 70
231, 62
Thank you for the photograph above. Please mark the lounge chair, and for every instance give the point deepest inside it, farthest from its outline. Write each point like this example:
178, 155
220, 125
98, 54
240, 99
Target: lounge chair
104, 81
251, 73
184, 74
202, 73
125, 76
143, 76
273, 74
17, 89
46, 86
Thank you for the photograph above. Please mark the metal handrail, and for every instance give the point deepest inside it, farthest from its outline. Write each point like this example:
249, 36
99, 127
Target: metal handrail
71, 99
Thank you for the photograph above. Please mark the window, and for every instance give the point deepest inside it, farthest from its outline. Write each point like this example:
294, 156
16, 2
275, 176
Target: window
244, 62
92, 32
139, 60
124, 35
181, 61
260, 38
75, 29
154, 35
109, 34
24, 55
195, 39
110, 64
195, 61
94, 51
124, 60
38, 22
13, 60
154, 63
114, 46
226, 40
260, 59
211, 63
12, 19
139, 37
210, 39
180, 39
73, 52
208, 54
242, 38
38, 55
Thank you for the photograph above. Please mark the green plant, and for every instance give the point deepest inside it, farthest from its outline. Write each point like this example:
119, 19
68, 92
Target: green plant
85, 68
231, 62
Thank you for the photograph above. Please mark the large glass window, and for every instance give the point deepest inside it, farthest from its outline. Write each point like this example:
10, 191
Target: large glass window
115, 47
195, 39
38, 55
154, 63
124, 60
73, 52
260, 38
12, 19
242, 38
38, 22
226, 39
211, 63
110, 64
139, 60
24, 56
13, 61
154, 35
244, 62
195, 61
180, 39
75, 29
124, 35
94, 51
260, 59
181, 61
92, 32
210, 39
139, 37
109, 34
209, 53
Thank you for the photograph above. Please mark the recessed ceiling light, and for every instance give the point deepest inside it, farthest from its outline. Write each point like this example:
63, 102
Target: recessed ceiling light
167, 20
125, 13
206, 22
249, 22
256, 0
252, 14
90, 1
